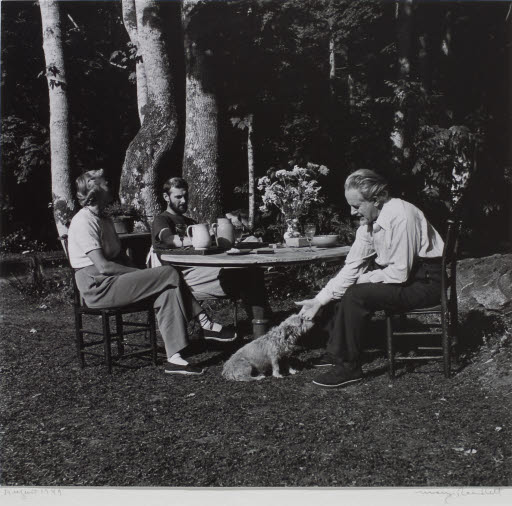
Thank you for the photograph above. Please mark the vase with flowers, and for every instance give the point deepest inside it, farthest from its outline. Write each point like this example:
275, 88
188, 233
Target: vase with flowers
293, 192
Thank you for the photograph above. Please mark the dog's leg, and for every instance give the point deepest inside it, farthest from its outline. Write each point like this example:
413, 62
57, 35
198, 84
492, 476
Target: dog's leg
287, 367
275, 367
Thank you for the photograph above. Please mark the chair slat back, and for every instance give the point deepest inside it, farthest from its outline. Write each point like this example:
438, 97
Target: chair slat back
76, 292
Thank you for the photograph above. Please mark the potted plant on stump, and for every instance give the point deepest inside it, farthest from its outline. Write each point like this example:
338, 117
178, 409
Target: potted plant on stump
123, 216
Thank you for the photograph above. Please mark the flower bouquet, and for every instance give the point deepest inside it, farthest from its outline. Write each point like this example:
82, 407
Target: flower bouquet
293, 192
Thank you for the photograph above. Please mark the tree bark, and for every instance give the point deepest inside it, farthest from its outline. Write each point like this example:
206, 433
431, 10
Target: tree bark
62, 194
332, 62
130, 23
250, 167
508, 22
400, 151
200, 161
450, 84
139, 178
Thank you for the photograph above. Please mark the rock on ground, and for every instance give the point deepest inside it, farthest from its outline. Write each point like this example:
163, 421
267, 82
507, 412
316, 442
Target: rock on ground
485, 284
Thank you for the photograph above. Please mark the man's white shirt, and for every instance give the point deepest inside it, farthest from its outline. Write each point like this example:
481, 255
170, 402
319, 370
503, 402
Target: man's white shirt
400, 234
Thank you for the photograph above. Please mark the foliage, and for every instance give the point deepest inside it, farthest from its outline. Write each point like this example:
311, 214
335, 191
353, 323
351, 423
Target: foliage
445, 161
300, 113
329, 220
117, 209
42, 289
25, 147
21, 241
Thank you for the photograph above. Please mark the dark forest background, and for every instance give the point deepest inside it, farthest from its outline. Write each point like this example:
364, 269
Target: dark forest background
271, 58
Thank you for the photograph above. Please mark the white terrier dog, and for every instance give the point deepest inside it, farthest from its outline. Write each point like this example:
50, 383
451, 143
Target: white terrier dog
263, 354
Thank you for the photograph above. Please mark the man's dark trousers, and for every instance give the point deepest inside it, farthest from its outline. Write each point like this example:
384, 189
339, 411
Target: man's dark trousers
348, 318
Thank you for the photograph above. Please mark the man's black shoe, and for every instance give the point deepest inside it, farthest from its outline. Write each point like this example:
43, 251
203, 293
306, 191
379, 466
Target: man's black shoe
188, 369
225, 335
339, 376
323, 361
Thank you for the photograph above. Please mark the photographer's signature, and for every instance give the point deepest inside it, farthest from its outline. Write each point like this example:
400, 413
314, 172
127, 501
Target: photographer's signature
451, 494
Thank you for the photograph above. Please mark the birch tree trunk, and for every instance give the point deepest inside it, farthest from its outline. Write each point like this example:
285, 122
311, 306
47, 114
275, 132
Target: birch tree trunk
250, 167
450, 83
62, 194
130, 23
200, 160
400, 151
139, 177
332, 62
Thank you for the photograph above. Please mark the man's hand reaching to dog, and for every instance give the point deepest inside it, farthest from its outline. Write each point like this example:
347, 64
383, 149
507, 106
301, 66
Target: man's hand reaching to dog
310, 308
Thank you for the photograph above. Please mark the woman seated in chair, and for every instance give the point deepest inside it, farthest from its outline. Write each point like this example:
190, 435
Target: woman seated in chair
105, 278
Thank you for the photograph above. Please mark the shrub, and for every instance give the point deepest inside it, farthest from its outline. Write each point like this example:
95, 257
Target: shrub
19, 241
117, 209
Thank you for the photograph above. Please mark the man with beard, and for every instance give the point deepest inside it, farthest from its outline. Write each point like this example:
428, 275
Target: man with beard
168, 231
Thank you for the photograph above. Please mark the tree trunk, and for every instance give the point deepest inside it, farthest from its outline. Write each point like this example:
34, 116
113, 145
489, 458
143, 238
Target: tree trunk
508, 22
139, 178
62, 195
250, 167
450, 83
130, 23
404, 31
332, 62
200, 161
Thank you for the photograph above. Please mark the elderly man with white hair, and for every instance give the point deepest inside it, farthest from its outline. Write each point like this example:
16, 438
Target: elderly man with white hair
394, 264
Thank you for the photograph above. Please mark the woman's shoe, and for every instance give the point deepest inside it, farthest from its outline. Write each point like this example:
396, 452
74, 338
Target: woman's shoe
183, 369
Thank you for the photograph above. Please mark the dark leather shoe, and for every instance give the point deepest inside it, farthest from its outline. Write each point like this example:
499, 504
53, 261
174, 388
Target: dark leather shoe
226, 335
339, 376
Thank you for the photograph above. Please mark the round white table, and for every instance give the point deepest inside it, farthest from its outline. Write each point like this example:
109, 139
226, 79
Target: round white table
264, 258
258, 256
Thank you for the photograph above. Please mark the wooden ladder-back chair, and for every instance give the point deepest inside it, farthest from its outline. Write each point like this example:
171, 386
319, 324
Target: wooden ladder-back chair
108, 336
447, 311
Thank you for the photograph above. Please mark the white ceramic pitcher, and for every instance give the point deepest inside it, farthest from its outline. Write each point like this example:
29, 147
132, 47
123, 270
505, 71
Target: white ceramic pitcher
224, 233
200, 235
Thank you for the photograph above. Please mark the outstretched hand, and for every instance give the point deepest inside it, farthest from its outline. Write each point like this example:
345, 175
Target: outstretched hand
310, 308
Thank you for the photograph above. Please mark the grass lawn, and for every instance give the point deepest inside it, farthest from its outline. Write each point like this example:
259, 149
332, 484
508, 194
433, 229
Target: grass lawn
62, 425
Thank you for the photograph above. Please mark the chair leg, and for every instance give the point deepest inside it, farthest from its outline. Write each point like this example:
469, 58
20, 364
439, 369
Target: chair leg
445, 343
120, 336
79, 338
454, 322
391, 352
235, 315
152, 335
107, 341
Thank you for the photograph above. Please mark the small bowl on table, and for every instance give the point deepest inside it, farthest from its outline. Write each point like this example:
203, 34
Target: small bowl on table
325, 241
